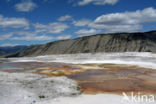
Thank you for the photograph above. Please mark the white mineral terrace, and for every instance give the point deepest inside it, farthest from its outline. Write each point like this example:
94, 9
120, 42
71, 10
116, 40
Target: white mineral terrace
143, 59
27, 88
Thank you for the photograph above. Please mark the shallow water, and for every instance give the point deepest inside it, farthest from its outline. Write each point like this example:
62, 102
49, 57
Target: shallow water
25, 66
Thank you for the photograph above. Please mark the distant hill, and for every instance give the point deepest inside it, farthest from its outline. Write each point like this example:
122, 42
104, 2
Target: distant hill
116, 42
11, 49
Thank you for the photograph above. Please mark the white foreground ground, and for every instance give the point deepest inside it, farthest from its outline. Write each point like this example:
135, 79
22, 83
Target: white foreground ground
21, 88
93, 99
143, 59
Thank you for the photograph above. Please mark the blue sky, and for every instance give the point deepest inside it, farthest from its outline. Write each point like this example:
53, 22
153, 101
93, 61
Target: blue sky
27, 22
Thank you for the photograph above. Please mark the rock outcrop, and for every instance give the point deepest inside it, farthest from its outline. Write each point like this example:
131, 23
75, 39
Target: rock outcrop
116, 42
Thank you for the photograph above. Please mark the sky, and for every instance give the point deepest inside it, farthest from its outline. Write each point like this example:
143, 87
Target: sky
29, 22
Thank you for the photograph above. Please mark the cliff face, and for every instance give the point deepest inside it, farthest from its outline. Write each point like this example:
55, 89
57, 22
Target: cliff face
120, 42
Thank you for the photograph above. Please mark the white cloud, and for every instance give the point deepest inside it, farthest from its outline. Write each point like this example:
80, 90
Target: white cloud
97, 2
6, 36
65, 18
25, 6
54, 27
26, 36
13, 22
63, 37
85, 32
8, 45
34, 38
126, 21
30, 36
82, 22
139, 16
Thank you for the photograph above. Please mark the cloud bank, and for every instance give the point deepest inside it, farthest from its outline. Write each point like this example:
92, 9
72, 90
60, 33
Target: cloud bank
25, 6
